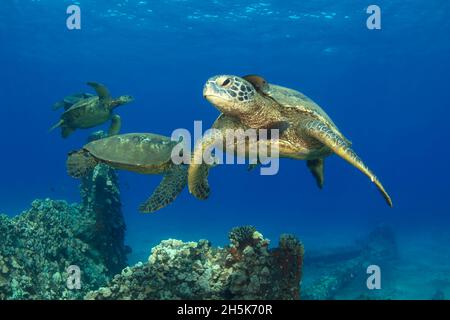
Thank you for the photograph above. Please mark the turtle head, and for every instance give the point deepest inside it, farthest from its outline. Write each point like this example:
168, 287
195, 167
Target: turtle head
125, 99
121, 100
232, 95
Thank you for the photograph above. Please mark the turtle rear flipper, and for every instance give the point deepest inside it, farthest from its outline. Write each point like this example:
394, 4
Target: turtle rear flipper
66, 131
316, 168
80, 163
102, 91
115, 126
57, 125
170, 187
328, 137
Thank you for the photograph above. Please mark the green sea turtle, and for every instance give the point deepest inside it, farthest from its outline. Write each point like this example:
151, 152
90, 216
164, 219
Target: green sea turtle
306, 131
144, 153
90, 111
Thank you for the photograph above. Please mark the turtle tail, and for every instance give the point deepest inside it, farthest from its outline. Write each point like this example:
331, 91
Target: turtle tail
80, 163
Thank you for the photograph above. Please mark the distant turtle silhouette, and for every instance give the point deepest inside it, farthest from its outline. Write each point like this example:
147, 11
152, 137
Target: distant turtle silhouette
88, 111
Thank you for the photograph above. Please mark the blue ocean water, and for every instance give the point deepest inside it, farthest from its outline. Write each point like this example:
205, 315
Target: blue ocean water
387, 90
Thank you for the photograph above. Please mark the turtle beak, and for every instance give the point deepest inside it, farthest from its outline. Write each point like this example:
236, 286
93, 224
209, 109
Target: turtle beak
206, 90
210, 90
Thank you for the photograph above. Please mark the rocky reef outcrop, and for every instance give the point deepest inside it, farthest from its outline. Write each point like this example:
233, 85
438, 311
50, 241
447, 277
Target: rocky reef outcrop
39, 245
245, 269
103, 210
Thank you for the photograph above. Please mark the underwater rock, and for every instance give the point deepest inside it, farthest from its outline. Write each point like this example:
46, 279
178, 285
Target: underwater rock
101, 203
341, 268
380, 246
196, 270
328, 285
39, 245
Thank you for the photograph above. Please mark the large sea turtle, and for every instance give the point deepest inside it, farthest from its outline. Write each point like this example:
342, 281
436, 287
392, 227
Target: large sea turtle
144, 153
306, 131
90, 111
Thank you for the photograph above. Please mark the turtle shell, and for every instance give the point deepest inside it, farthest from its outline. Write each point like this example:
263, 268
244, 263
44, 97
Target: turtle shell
87, 113
290, 98
141, 152
83, 103
70, 100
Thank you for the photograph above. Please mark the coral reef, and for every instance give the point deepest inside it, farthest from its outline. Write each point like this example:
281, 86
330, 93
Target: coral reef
196, 270
38, 246
289, 259
241, 237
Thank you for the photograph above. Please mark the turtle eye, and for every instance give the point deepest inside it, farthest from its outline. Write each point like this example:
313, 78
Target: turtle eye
226, 82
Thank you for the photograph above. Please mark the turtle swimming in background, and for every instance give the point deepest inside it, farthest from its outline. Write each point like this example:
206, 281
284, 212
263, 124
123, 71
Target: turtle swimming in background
143, 153
306, 131
83, 111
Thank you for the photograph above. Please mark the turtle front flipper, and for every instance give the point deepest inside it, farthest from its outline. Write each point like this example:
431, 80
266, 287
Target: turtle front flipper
102, 91
198, 169
328, 137
316, 168
170, 187
116, 124
198, 181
